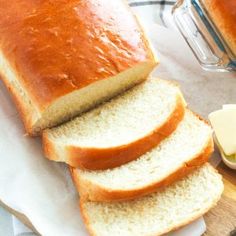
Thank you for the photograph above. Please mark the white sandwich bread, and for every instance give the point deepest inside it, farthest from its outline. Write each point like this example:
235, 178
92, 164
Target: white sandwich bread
186, 149
158, 213
118, 131
55, 69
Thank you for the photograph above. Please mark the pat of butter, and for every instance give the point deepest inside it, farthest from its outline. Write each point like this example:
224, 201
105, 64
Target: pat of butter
224, 124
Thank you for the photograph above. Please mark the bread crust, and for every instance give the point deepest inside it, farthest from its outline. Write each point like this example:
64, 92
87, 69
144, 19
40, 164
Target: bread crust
24, 110
53, 56
86, 219
105, 158
223, 14
170, 229
93, 192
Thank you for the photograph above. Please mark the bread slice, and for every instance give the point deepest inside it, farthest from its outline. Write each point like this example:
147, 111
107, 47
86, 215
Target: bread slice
57, 67
118, 131
187, 148
158, 213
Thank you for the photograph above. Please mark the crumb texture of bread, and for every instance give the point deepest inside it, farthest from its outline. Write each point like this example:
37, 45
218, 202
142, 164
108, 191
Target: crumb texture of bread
65, 65
158, 213
223, 14
189, 145
125, 127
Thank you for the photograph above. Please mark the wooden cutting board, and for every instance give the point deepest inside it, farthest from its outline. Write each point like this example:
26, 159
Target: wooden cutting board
220, 221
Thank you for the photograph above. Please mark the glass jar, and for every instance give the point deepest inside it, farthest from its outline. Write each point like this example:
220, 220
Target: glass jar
211, 39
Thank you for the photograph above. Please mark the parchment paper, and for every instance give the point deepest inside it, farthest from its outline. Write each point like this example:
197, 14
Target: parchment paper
43, 191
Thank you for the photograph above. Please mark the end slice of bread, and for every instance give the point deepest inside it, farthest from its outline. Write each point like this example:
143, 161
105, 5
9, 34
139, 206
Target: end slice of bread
158, 213
186, 149
118, 131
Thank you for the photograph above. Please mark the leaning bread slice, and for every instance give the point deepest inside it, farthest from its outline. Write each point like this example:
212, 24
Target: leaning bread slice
158, 213
118, 131
187, 148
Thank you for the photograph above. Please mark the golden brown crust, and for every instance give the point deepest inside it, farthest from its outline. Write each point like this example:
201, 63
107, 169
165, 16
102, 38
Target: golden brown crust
99, 159
170, 229
92, 192
24, 111
61, 46
49, 148
86, 219
223, 14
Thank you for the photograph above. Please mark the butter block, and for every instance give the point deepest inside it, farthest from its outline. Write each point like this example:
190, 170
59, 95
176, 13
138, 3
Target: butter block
224, 124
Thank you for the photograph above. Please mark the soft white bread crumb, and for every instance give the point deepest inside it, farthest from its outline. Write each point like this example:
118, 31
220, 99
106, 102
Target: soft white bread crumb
124, 120
158, 213
189, 145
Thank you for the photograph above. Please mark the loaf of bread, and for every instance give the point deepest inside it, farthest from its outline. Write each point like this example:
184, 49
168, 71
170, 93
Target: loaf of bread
179, 154
223, 14
158, 213
120, 130
59, 58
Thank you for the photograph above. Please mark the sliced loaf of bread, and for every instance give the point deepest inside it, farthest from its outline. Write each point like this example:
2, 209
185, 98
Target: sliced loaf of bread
158, 213
61, 58
185, 149
118, 131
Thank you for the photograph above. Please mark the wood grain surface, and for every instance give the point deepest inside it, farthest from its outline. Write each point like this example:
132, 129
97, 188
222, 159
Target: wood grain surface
220, 221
